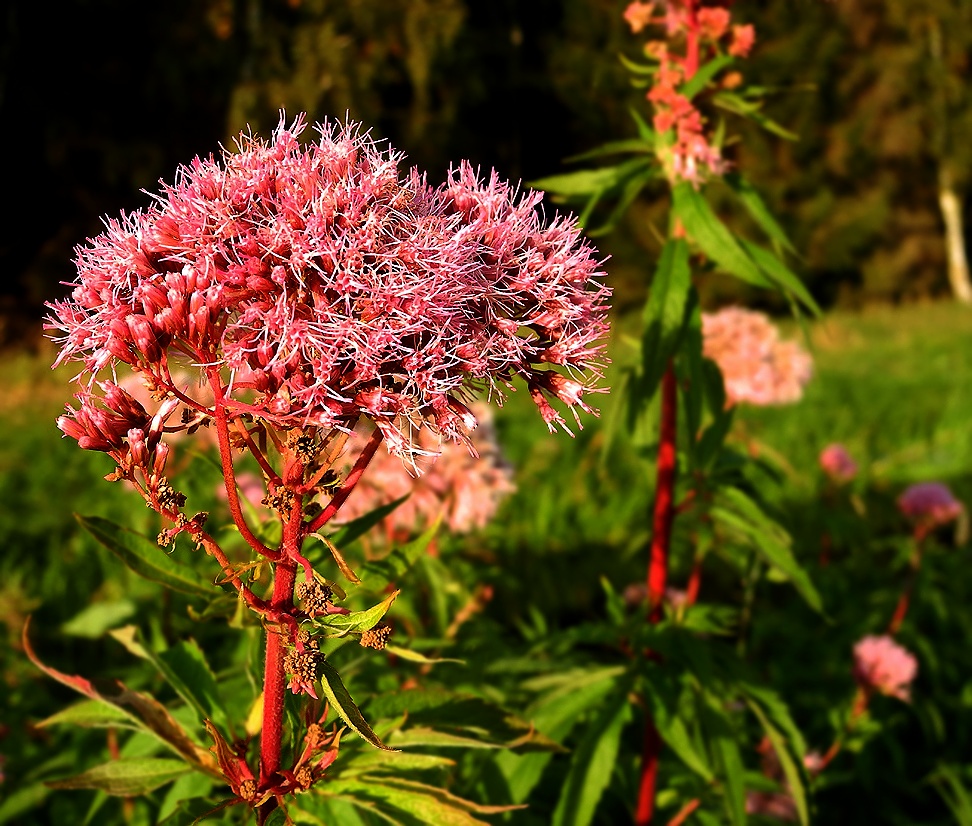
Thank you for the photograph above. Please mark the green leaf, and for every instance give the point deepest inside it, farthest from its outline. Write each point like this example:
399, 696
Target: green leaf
701, 78
780, 274
632, 66
146, 558
185, 668
360, 526
629, 192
664, 316
636, 145
341, 702
756, 207
344, 624
750, 109
126, 778
713, 237
767, 538
18, 802
378, 575
415, 657
720, 735
188, 787
94, 620
592, 763
794, 778
278, 817
93, 714
667, 715
586, 182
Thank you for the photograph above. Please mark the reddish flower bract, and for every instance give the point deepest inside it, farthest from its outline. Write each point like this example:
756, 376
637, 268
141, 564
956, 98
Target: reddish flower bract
326, 286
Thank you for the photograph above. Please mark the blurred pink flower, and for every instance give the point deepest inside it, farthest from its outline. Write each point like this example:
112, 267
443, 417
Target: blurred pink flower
813, 761
743, 38
252, 488
778, 805
327, 286
930, 503
837, 463
638, 15
756, 365
467, 490
881, 665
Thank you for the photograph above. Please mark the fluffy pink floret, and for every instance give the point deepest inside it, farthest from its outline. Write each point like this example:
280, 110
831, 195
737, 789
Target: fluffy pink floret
881, 665
931, 503
837, 463
327, 285
464, 489
756, 365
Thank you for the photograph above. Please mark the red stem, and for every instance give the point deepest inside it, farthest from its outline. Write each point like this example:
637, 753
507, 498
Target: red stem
664, 510
685, 812
694, 582
904, 601
692, 40
664, 516
341, 495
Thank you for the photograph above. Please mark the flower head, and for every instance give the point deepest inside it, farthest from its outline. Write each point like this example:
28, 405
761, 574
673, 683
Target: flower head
881, 665
756, 365
837, 463
325, 285
930, 503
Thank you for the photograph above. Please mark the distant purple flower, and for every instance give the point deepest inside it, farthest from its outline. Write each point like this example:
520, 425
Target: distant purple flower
881, 665
326, 286
837, 463
931, 503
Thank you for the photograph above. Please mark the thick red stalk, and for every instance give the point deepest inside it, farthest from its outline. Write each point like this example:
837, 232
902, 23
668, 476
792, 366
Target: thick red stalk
664, 516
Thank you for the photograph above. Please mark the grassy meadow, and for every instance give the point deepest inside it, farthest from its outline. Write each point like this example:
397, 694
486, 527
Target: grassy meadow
892, 384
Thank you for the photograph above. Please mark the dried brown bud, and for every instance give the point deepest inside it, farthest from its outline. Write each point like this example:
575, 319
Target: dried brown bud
163, 539
169, 497
304, 777
314, 597
376, 637
281, 500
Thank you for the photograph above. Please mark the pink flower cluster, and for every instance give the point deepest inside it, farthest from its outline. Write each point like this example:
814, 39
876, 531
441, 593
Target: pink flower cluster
326, 286
464, 489
757, 366
930, 503
881, 665
691, 157
837, 463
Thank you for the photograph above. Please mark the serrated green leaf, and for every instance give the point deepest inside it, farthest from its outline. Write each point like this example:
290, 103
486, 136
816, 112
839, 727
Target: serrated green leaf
667, 717
188, 787
701, 78
586, 182
278, 817
340, 699
635, 145
344, 624
146, 558
93, 714
629, 192
126, 777
592, 763
752, 110
664, 316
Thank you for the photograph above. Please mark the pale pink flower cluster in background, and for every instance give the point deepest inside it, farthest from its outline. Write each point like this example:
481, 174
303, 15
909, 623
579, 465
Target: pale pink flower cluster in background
692, 157
327, 286
930, 503
881, 665
837, 463
463, 489
757, 366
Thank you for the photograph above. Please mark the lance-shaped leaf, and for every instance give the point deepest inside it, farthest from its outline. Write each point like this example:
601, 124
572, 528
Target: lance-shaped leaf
780, 274
752, 110
756, 207
669, 713
185, 668
592, 762
144, 710
791, 771
664, 317
126, 777
701, 78
585, 182
340, 700
416, 657
386, 571
146, 558
722, 741
94, 714
360, 526
344, 624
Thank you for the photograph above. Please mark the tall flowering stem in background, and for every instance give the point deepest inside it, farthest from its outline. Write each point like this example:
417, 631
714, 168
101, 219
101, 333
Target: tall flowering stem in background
309, 290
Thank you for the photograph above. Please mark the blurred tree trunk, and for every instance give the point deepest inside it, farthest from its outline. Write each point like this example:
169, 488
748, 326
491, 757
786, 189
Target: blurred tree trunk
952, 208
949, 194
